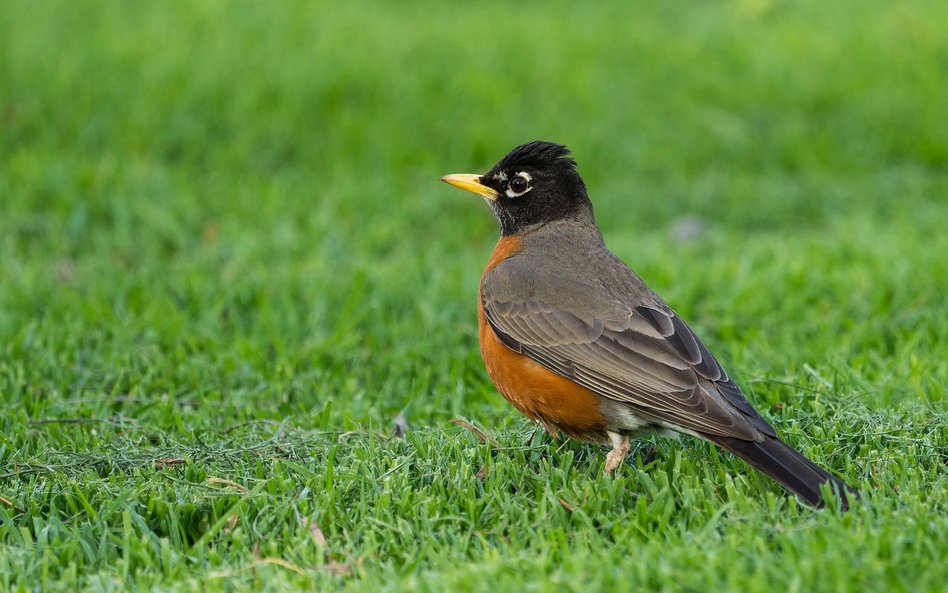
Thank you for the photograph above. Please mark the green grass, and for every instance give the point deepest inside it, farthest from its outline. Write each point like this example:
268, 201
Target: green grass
226, 265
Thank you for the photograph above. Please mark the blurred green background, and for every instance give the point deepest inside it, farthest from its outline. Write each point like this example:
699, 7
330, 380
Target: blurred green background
215, 213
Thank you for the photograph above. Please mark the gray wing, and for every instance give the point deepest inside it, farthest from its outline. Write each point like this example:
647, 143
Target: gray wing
642, 355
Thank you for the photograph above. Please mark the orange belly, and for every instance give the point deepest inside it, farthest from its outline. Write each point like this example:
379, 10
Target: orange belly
536, 391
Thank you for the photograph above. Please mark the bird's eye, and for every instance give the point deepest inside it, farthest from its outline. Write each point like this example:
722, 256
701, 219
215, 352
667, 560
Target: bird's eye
518, 185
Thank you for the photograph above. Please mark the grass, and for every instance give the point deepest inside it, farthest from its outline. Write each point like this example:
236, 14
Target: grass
226, 266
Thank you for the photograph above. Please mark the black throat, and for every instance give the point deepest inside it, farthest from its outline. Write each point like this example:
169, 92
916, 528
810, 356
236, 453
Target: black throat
519, 217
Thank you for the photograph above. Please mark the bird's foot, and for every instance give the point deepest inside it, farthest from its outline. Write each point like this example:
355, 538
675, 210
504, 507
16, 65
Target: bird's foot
620, 448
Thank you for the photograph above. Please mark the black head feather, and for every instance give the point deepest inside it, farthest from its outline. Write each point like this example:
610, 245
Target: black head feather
554, 189
538, 154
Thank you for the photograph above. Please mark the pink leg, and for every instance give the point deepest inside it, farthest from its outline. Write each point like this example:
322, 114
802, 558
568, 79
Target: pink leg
620, 448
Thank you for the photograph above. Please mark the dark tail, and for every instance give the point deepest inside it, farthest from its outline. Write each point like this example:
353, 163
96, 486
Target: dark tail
789, 468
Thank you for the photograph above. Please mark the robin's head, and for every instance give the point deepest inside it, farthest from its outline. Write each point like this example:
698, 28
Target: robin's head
535, 184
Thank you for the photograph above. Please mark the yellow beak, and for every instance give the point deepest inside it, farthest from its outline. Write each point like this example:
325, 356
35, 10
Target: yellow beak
471, 183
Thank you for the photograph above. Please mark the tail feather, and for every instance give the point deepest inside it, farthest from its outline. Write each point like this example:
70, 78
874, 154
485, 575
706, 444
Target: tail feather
789, 468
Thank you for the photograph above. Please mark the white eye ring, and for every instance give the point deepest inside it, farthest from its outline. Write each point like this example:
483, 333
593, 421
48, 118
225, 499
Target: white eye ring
521, 178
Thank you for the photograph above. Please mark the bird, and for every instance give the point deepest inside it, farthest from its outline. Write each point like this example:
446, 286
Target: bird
577, 342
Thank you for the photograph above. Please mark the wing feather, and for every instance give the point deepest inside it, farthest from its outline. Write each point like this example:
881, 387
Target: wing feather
643, 356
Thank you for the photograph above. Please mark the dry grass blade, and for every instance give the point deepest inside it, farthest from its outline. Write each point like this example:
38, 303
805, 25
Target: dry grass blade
115, 421
168, 462
480, 434
10, 504
232, 484
231, 523
314, 531
257, 564
339, 569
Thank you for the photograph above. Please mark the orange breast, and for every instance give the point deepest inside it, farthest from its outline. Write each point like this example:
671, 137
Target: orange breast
533, 389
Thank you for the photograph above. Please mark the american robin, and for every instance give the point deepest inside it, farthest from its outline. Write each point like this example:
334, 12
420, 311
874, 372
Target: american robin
575, 340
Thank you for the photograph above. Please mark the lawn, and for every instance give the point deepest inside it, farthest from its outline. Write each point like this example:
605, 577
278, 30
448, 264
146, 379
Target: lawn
228, 272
